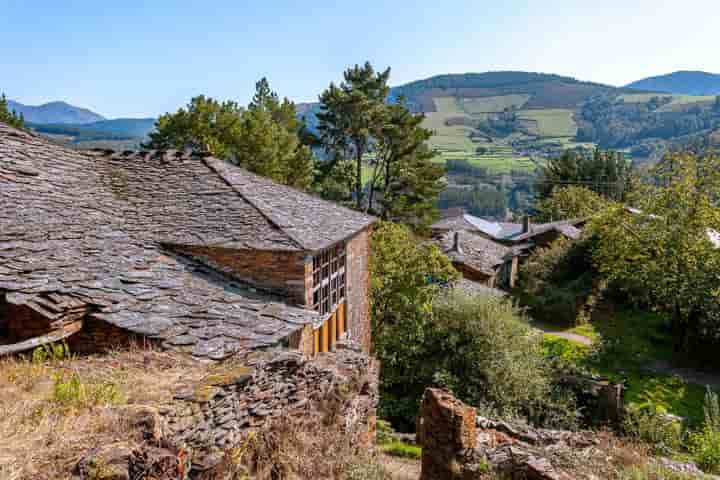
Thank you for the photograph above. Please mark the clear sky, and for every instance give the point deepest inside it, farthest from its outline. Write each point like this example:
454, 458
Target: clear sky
142, 58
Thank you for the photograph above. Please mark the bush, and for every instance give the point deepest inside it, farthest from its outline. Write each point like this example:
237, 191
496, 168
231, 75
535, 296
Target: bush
649, 426
483, 349
557, 282
704, 445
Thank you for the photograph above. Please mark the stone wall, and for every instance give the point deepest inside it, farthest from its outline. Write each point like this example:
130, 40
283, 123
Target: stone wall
238, 398
283, 273
358, 289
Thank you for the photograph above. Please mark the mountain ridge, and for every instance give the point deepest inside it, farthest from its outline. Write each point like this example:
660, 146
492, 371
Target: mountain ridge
681, 82
55, 112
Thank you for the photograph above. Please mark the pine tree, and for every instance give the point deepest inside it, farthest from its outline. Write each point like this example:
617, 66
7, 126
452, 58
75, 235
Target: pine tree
264, 138
11, 118
350, 117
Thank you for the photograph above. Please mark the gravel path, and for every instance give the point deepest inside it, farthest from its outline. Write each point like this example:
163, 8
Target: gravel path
401, 468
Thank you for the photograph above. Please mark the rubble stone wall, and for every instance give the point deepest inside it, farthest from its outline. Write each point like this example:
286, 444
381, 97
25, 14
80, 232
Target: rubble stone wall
215, 416
358, 289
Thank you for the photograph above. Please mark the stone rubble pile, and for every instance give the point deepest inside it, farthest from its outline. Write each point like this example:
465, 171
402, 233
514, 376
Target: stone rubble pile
208, 419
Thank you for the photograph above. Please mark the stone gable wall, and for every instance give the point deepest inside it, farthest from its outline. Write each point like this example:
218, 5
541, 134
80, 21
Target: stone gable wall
358, 289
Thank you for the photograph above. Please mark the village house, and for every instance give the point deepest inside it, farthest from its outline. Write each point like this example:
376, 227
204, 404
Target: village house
490, 252
185, 251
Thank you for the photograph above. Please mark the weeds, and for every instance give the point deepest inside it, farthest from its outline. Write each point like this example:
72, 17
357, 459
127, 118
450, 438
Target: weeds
75, 393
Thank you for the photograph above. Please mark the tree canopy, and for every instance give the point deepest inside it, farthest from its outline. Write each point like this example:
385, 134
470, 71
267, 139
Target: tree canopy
570, 202
361, 132
605, 173
264, 138
663, 251
11, 118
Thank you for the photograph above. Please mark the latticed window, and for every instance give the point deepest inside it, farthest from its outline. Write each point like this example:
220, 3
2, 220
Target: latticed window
329, 279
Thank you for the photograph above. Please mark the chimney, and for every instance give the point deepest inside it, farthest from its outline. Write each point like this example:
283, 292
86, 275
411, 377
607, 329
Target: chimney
526, 224
456, 242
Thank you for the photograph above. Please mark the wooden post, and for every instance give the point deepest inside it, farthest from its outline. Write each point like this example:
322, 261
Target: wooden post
333, 331
316, 341
324, 336
341, 319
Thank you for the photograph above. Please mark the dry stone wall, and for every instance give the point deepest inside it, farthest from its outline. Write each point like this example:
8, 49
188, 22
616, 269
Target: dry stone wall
234, 400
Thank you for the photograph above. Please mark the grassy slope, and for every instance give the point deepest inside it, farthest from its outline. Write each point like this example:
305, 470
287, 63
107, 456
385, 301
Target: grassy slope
453, 142
632, 340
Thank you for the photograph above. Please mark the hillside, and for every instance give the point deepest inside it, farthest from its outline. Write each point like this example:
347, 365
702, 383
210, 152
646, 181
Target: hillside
682, 82
117, 134
55, 112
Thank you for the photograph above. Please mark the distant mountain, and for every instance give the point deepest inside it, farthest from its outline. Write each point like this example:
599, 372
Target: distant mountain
681, 83
117, 134
55, 112
545, 90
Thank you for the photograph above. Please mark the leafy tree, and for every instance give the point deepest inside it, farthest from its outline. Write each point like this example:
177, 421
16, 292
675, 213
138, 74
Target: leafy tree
606, 173
662, 253
11, 118
264, 138
570, 202
204, 125
403, 174
481, 347
350, 116
405, 280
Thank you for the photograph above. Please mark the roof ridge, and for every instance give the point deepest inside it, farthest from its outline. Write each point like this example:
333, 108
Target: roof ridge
251, 202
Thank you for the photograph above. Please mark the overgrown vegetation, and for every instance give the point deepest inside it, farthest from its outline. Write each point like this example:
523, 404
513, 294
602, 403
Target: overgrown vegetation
559, 284
480, 347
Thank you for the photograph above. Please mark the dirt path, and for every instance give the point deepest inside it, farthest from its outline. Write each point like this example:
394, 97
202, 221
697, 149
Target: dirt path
558, 332
688, 375
401, 468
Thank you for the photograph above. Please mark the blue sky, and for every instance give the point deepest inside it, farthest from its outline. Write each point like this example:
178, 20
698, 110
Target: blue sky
142, 58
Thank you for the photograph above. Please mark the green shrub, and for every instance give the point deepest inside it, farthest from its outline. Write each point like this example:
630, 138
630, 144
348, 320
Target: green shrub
52, 352
72, 391
649, 426
483, 349
556, 283
704, 444
401, 449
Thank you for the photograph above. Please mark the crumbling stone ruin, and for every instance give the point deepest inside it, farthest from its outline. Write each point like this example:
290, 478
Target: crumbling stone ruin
459, 444
217, 420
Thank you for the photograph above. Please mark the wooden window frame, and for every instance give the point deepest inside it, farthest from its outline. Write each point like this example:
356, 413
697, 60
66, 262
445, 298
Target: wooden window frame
329, 278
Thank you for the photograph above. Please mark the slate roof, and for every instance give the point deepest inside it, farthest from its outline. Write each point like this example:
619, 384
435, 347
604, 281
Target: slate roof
505, 231
92, 226
477, 252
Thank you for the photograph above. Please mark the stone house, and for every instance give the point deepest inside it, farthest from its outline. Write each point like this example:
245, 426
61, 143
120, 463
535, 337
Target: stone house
185, 251
491, 252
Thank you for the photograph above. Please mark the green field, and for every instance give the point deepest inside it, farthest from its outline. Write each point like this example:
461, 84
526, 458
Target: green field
555, 122
492, 104
498, 160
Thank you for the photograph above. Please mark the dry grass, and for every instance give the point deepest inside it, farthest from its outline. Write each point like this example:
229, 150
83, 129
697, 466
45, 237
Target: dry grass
54, 412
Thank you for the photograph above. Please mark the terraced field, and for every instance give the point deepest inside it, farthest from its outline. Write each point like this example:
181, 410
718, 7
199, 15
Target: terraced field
555, 122
475, 106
